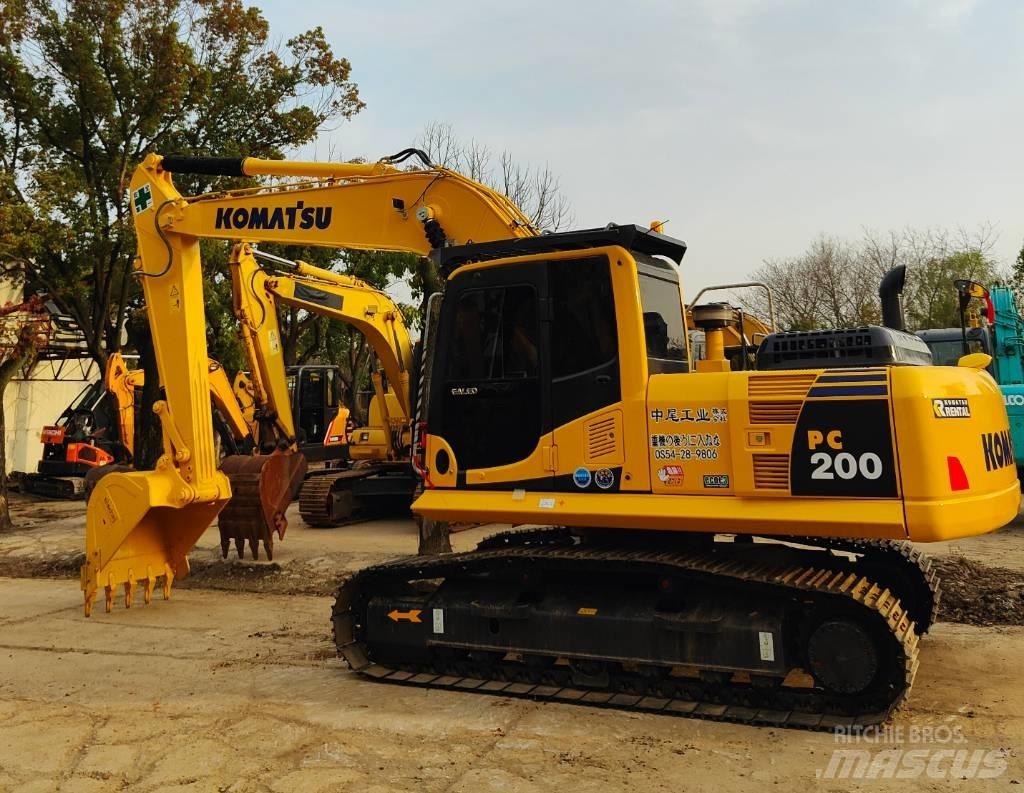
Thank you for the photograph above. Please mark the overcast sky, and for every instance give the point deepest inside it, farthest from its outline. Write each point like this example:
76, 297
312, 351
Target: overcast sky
751, 126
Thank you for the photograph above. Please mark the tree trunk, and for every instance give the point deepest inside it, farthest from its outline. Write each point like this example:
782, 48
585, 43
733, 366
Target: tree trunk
434, 537
148, 437
5, 507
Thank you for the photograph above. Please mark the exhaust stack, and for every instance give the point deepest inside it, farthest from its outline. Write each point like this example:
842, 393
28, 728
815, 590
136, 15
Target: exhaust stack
890, 292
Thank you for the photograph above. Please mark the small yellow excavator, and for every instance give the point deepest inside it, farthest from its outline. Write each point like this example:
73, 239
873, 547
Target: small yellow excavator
726, 544
380, 476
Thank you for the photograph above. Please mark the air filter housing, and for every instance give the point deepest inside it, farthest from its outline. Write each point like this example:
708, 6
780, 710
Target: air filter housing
870, 345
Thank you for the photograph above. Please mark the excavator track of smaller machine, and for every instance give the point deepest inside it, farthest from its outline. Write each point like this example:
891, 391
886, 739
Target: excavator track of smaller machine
322, 500
762, 634
334, 498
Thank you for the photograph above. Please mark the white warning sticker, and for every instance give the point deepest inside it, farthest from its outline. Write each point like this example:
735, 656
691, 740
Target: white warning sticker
438, 620
767, 642
546, 503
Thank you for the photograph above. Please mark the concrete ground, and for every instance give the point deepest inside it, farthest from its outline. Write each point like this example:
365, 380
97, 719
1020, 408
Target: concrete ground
241, 691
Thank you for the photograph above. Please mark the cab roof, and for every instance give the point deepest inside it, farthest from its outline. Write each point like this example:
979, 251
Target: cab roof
631, 237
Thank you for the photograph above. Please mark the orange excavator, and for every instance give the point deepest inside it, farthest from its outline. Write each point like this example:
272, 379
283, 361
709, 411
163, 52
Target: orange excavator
98, 430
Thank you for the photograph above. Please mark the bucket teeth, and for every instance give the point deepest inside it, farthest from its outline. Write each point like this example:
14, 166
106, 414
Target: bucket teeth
129, 589
129, 586
128, 547
261, 490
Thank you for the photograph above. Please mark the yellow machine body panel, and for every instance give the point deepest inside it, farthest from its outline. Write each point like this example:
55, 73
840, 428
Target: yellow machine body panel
373, 442
956, 455
876, 452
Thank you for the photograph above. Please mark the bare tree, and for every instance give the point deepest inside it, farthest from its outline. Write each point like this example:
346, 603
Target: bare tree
834, 283
829, 285
534, 189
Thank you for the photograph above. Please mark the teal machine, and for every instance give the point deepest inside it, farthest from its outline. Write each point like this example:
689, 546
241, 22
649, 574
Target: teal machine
998, 330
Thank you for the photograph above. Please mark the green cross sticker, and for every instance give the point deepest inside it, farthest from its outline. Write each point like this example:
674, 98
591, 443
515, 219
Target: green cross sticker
143, 199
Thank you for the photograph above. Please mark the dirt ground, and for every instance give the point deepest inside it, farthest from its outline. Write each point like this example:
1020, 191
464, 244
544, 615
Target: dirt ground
982, 577
240, 691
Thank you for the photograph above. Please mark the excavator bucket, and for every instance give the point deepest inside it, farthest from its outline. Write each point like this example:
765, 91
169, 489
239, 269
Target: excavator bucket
138, 531
262, 487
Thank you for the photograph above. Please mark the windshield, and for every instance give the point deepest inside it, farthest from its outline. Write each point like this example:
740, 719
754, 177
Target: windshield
947, 353
86, 400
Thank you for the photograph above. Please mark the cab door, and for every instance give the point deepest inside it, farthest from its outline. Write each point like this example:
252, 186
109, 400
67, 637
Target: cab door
489, 397
586, 387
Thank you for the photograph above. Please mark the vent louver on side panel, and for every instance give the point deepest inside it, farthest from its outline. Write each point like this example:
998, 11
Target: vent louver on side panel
777, 400
774, 412
771, 471
604, 435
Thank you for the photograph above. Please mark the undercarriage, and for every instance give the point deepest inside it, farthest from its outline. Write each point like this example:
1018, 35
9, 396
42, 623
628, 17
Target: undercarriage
817, 635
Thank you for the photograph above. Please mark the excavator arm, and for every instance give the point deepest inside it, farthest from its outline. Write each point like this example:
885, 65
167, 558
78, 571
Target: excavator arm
263, 485
227, 403
141, 525
123, 384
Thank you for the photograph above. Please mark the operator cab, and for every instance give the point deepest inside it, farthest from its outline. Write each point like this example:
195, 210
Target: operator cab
947, 347
525, 348
315, 392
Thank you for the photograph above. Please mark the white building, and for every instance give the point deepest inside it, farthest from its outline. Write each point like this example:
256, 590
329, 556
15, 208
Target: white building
36, 398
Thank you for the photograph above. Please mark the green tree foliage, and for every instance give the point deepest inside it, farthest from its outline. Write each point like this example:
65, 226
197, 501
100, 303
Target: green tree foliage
1018, 272
932, 299
88, 87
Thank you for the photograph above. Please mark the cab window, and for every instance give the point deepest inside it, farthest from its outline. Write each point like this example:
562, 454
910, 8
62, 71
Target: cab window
664, 329
583, 325
496, 335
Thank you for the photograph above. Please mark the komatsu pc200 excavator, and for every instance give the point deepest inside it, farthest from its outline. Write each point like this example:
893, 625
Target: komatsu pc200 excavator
728, 544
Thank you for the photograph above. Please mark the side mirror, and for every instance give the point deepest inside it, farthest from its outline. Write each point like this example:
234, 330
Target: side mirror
975, 360
970, 288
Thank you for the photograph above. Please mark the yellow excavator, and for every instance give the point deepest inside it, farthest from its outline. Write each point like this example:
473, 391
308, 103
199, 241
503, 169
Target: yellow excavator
725, 544
124, 384
380, 474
